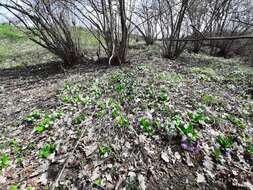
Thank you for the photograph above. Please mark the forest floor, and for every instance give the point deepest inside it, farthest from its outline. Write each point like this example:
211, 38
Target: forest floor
152, 124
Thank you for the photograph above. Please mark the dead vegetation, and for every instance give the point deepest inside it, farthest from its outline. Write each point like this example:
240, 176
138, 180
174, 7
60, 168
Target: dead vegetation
127, 121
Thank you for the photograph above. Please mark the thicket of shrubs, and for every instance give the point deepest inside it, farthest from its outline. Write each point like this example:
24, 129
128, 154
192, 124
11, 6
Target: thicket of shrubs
55, 25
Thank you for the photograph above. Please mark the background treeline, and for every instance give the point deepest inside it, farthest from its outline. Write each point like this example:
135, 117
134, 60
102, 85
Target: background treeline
217, 27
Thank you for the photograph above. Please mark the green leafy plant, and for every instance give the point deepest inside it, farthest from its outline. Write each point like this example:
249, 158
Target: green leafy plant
209, 100
249, 150
189, 131
101, 105
58, 115
79, 119
13, 187
98, 182
198, 117
45, 124
122, 121
185, 128
146, 125
13, 142
16, 148
100, 114
104, 150
236, 121
4, 161
225, 142
87, 101
116, 111
216, 152
66, 99
163, 96
96, 90
33, 116
47, 150
120, 87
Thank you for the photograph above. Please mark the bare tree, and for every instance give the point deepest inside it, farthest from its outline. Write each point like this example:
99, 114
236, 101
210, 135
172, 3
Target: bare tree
107, 21
146, 20
212, 18
49, 24
172, 19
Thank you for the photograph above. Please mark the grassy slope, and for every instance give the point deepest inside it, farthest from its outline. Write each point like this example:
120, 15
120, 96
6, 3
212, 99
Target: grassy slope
17, 50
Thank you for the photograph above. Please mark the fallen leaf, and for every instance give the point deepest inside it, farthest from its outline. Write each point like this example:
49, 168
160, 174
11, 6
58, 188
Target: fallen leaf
188, 160
2, 179
142, 138
95, 174
43, 179
177, 156
165, 157
90, 149
142, 182
200, 178
248, 185
132, 176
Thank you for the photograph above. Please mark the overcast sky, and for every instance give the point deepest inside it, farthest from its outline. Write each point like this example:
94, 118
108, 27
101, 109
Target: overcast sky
3, 12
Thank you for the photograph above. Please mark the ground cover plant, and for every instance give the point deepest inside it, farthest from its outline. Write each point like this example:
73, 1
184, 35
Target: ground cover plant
141, 126
126, 94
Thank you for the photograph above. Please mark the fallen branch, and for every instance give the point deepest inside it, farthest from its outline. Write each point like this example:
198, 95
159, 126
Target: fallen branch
211, 39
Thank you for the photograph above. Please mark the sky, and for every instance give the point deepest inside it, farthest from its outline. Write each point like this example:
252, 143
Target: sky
3, 12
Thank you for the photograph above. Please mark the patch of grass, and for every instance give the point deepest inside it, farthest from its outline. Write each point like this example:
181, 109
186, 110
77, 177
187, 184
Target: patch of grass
87, 39
4, 52
11, 33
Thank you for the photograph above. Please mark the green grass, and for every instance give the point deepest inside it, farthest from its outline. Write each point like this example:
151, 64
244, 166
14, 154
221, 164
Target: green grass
17, 50
13, 44
87, 39
11, 33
